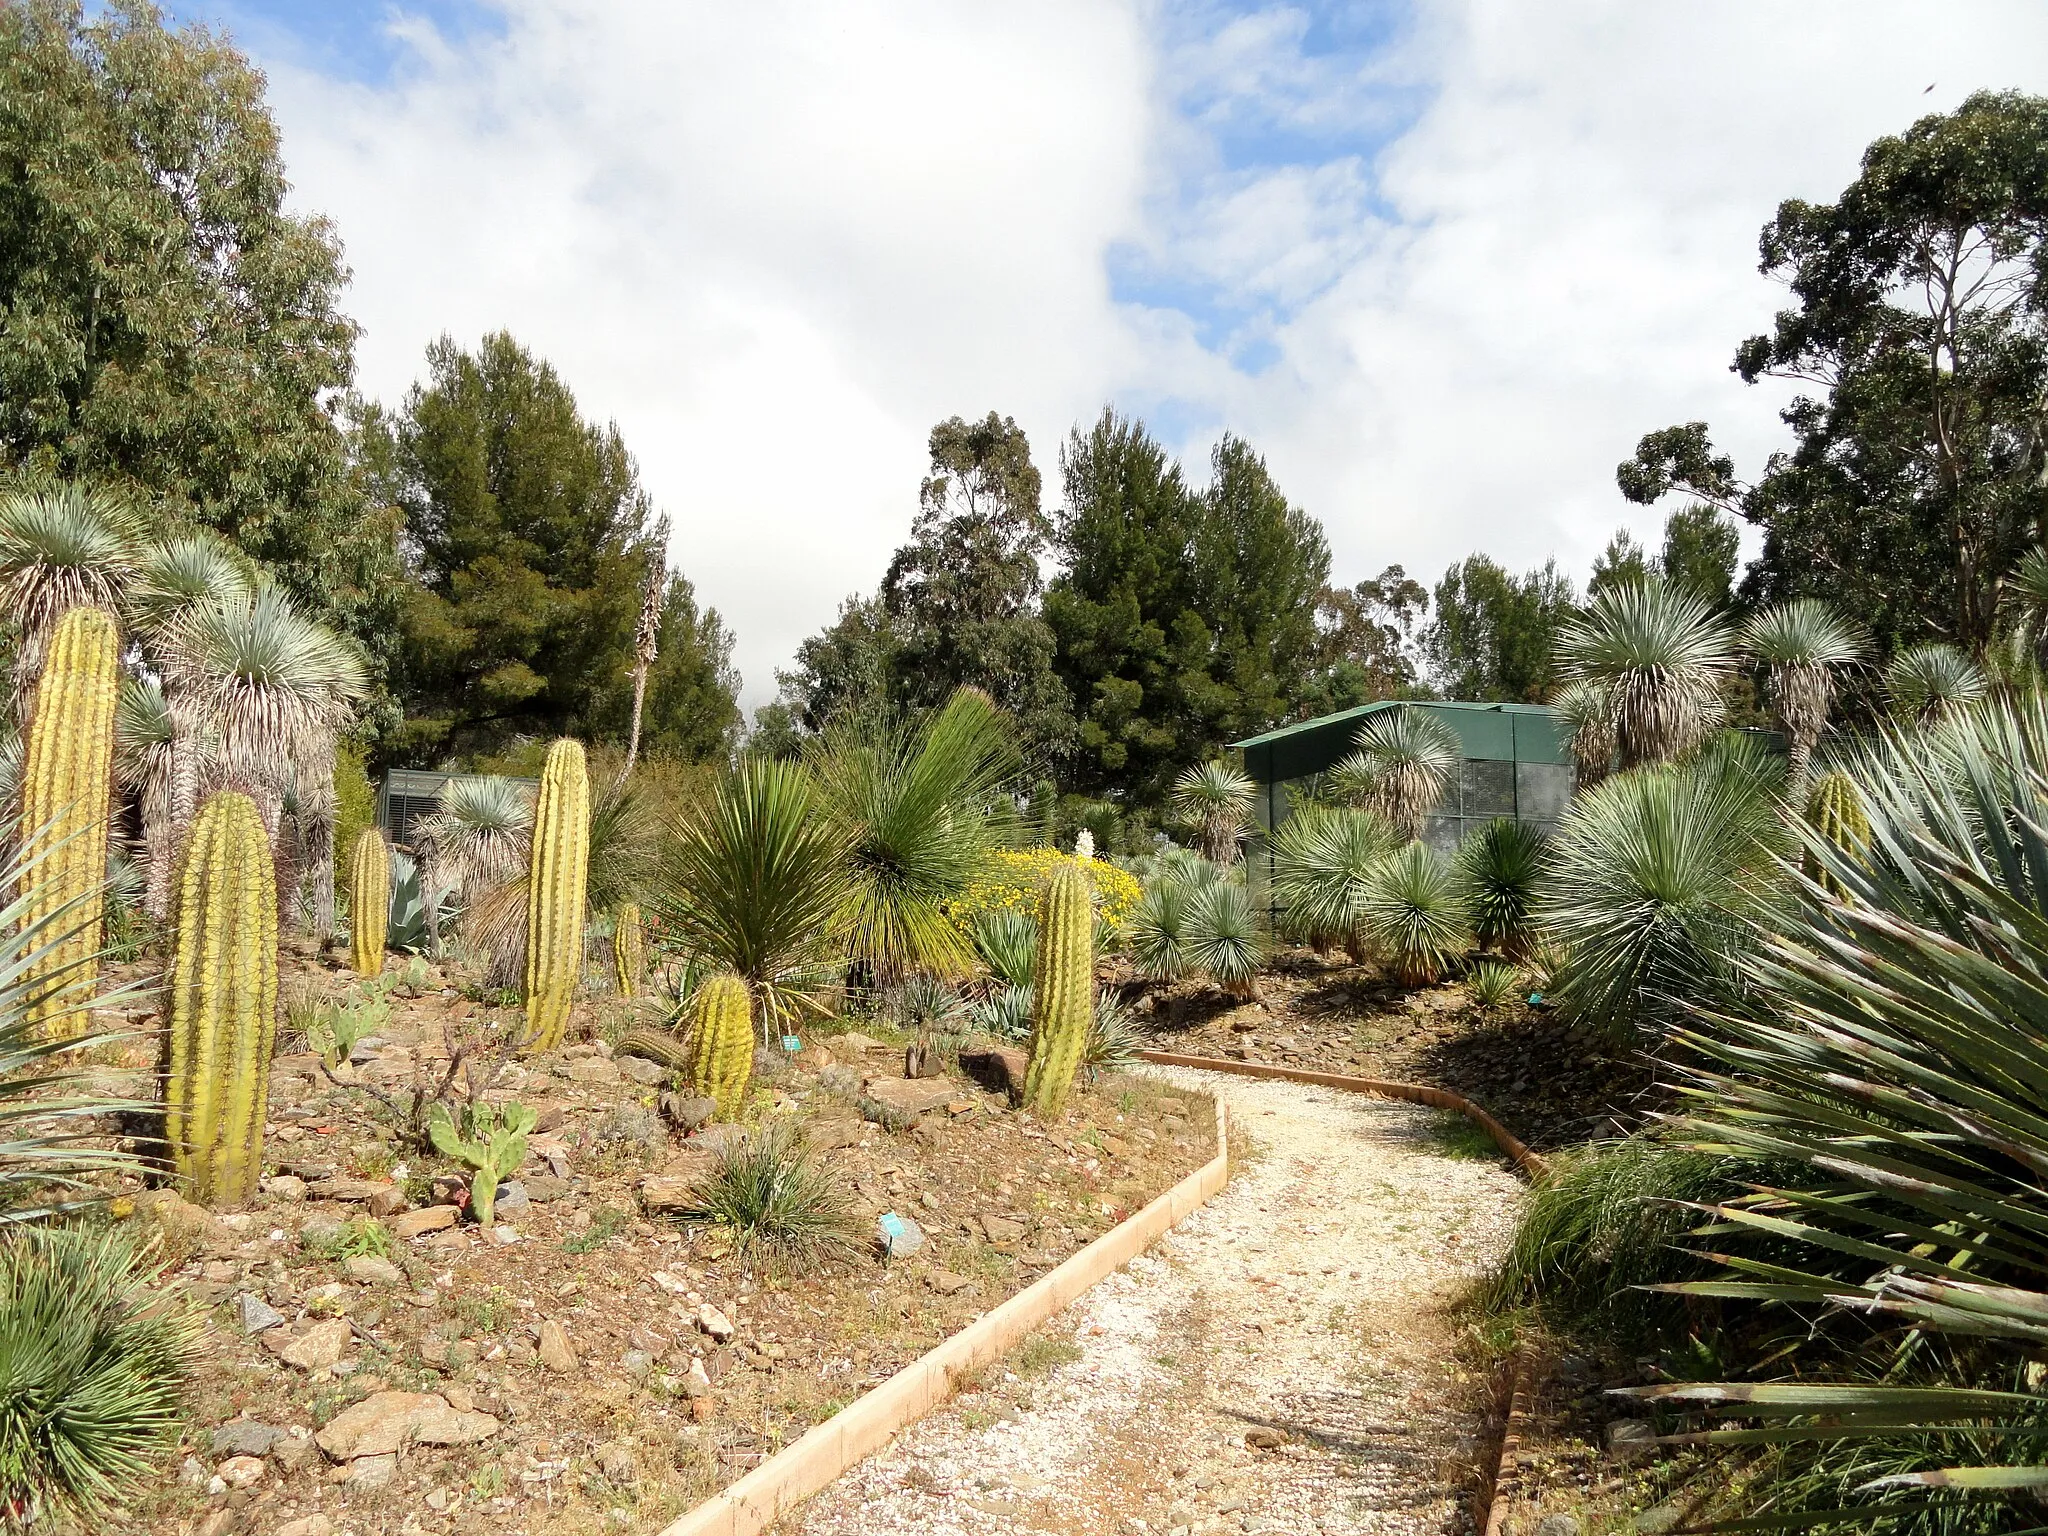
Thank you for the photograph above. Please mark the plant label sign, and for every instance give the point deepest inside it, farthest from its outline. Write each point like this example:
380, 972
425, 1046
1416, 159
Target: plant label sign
792, 1044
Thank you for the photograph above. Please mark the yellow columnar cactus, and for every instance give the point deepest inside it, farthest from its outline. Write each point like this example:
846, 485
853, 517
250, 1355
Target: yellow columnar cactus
554, 894
369, 901
66, 779
1834, 808
222, 1004
629, 948
721, 1043
1063, 989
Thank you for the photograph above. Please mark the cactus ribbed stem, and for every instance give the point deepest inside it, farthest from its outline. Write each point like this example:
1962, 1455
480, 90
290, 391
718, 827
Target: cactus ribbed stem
629, 948
554, 894
721, 1042
1834, 808
222, 1005
66, 779
1063, 989
369, 902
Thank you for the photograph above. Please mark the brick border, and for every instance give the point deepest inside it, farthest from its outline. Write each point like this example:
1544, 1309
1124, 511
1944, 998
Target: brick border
863, 1427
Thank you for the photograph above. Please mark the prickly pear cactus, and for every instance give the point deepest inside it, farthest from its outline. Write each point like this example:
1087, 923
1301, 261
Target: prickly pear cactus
1063, 993
721, 1043
555, 887
223, 1003
369, 901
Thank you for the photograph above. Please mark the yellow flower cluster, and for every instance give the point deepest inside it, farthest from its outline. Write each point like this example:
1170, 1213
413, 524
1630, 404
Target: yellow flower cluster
1011, 882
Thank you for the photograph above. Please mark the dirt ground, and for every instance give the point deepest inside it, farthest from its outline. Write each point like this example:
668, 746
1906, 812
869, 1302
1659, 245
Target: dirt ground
565, 1363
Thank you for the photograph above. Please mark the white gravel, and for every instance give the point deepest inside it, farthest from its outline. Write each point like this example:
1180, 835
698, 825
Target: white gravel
1308, 1297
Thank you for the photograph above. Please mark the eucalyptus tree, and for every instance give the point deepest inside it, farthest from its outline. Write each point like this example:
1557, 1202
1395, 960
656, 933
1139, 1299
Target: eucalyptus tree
1802, 644
1660, 655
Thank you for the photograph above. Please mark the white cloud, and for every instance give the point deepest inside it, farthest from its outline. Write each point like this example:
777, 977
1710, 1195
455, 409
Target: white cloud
778, 242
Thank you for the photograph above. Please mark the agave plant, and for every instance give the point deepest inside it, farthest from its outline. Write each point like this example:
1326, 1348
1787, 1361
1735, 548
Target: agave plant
751, 882
1660, 655
1214, 799
1322, 859
1008, 942
1415, 915
925, 1005
1659, 879
1404, 763
60, 547
1928, 683
1005, 1013
1589, 719
1499, 867
1802, 645
1113, 1042
910, 804
1893, 1058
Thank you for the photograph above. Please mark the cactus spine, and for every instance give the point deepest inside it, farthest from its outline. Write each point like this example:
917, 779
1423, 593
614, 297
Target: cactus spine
721, 1042
222, 1003
66, 779
1063, 989
1834, 809
629, 947
554, 894
369, 902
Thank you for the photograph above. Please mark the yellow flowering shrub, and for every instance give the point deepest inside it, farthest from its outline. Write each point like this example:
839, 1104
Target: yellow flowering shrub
1011, 882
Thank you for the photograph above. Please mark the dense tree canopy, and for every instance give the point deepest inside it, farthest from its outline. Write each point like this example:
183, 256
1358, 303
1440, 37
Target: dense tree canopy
1493, 632
165, 326
1920, 322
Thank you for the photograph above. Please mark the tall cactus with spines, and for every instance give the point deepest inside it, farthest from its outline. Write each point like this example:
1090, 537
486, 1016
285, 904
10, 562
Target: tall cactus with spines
1834, 809
222, 1005
721, 1042
369, 901
629, 948
555, 884
66, 779
1063, 989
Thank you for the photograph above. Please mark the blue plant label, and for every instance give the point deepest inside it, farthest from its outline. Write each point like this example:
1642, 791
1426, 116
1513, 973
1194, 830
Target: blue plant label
1535, 999
792, 1044
892, 1226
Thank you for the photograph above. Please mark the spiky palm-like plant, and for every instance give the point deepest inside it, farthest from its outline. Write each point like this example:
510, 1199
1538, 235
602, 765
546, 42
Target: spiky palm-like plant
1802, 644
647, 635
478, 836
60, 547
93, 1363
1159, 934
1214, 800
1891, 1051
751, 882
144, 748
1221, 938
1322, 859
1404, 762
2025, 601
1008, 941
1589, 723
1659, 654
1500, 867
1658, 879
183, 573
1928, 683
1415, 915
910, 805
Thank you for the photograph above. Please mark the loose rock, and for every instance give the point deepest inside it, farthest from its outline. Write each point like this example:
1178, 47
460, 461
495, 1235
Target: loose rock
314, 1350
556, 1352
254, 1314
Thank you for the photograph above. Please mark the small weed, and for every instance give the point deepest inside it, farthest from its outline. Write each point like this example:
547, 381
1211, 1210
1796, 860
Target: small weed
362, 1238
1039, 1356
1452, 1135
483, 1312
607, 1224
488, 1482
375, 1162
976, 1419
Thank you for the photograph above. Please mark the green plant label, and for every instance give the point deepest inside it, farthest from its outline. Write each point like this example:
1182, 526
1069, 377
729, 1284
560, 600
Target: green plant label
792, 1044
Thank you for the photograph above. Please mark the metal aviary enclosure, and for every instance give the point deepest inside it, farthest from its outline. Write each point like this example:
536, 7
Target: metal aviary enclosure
407, 794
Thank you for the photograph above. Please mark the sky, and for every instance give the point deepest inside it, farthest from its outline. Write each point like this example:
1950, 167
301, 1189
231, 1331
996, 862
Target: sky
1441, 263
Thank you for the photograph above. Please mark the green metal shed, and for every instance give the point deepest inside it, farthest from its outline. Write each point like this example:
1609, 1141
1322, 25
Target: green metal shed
1516, 763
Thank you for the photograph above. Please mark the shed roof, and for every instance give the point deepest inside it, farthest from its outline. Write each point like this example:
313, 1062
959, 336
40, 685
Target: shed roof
1323, 722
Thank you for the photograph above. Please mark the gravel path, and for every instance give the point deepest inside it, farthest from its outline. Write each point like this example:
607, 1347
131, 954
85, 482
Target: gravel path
1306, 1299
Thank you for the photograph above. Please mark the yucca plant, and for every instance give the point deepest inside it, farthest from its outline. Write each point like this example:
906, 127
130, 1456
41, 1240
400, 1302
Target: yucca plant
925, 1005
751, 881
1928, 683
184, 573
1322, 859
1158, 931
1113, 1041
1659, 653
1659, 877
1006, 1013
61, 547
1588, 717
144, 747
909, 803
1405, 760
1415, 915
477, 837
780, 1203
1214, 801
1499, 868
1802, 644
1493, 985
1008, 942
1888, 1047
1221, 937
94, 1356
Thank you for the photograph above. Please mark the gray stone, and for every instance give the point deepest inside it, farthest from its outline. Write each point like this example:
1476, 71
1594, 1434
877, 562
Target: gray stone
254, 1314
640, 1070
686, 1113
1651, 1522
513, 1198
369, 1473
899, 1235
638, 1364
545, 1188
245, 1437
365, 1269
1564, 1525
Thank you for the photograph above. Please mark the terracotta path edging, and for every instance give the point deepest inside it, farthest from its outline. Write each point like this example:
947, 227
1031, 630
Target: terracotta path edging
1496, 1511
1415, 1093
782, 1482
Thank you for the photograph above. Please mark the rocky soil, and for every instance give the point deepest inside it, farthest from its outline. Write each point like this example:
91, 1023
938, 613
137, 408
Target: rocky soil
375, 1362
1549, 1083
1284, 1362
